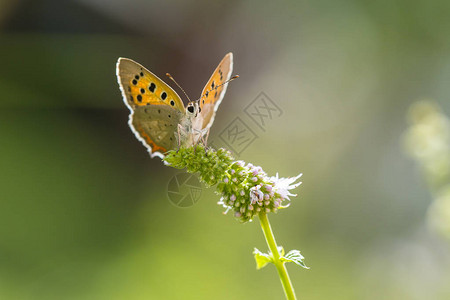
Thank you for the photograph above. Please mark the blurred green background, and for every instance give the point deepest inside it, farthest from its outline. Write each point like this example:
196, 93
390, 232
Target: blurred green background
84, 212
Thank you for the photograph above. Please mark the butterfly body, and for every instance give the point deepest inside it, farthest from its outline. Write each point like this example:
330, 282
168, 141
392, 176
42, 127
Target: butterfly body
158, 117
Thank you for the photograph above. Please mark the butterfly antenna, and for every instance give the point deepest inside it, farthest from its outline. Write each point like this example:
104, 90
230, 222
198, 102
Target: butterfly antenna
171, 78
231, 79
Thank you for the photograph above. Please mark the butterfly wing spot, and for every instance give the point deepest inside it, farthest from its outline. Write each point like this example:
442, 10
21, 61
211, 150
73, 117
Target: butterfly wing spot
148, 113
129, 88
142, 74
212, 84
142, 97
137, 77
172, 102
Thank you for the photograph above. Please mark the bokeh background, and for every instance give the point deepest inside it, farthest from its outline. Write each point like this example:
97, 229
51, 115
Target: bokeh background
84, 212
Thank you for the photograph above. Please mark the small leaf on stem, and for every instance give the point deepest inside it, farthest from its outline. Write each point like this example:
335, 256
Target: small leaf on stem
295, 257
262, 259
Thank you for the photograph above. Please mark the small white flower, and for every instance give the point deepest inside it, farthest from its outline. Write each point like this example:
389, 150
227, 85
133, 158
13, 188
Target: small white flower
283, 185
240, 163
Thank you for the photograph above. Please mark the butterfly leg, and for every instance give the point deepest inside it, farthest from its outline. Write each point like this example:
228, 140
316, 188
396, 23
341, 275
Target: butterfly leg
203, 139
197, 140
179, 129
194, 141
206, 139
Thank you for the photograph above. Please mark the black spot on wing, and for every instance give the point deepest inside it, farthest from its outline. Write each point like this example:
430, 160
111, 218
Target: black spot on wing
152, 87
163, 95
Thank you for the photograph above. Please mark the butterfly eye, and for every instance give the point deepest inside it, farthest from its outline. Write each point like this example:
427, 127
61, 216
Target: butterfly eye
190, 109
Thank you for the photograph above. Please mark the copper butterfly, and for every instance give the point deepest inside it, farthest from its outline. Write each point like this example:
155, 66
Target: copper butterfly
158, 117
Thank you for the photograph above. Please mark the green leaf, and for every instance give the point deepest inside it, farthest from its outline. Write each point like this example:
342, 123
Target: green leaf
295, 257
262, 259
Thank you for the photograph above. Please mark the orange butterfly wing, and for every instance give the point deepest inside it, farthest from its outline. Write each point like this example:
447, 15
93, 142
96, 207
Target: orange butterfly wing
155, 108
141, 87
214, 91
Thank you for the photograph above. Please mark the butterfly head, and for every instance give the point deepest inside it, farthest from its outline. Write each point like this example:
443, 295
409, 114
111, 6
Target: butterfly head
193, 109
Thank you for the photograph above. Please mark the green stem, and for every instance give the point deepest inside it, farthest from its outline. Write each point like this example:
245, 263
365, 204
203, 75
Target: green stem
282, 271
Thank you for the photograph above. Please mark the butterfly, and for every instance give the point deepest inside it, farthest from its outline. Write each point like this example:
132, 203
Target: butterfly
158, 117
